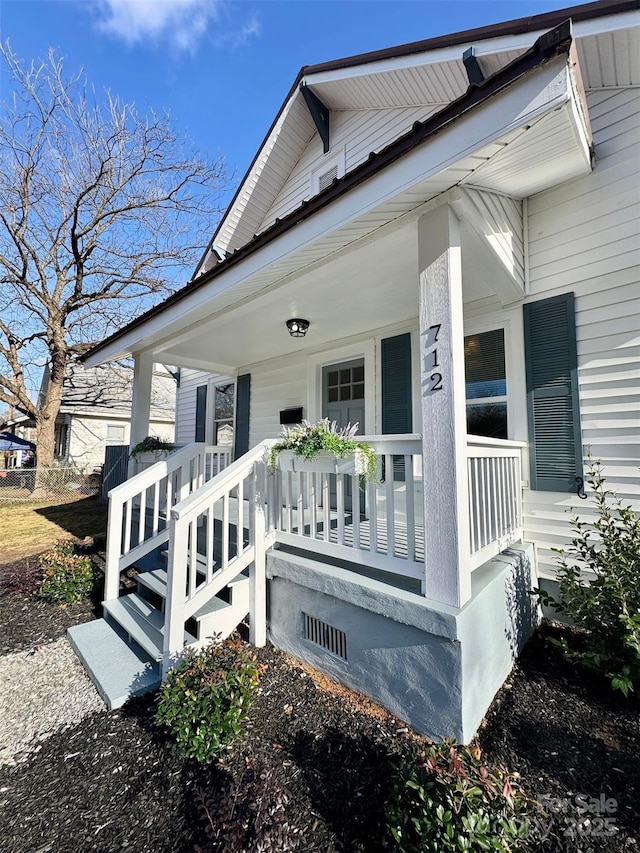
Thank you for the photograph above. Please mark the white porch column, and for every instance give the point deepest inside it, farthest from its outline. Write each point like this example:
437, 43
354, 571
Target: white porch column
444, 428
141, 401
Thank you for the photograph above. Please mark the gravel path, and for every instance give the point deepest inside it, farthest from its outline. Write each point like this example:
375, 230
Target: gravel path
42, 691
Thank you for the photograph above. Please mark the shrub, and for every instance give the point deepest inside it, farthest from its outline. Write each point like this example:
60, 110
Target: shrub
206, 697
67, 577
249, 814
446, 799
599, 589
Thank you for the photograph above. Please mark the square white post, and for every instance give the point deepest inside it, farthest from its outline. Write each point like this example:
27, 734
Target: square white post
444, 427
141, 401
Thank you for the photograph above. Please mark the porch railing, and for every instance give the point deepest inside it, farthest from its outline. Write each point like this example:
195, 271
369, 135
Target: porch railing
216, 533
378, 524
383, 525
139, 508
495, 496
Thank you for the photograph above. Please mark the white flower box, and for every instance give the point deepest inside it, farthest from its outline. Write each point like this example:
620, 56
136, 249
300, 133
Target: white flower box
323, 463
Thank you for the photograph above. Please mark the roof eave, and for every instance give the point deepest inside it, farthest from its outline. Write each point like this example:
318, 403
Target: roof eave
554, 43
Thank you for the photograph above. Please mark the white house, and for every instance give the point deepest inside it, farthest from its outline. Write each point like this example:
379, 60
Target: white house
95, 412
457, 222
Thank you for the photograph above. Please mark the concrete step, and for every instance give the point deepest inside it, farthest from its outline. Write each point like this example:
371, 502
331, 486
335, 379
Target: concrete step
142, 622
118, 669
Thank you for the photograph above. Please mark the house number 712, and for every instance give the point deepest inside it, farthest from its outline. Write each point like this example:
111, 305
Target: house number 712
435, 379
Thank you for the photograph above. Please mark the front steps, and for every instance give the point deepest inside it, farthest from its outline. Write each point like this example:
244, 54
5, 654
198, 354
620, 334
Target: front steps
122, 652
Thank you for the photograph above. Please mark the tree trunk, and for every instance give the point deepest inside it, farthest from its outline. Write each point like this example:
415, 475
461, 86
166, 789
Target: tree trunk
46, 420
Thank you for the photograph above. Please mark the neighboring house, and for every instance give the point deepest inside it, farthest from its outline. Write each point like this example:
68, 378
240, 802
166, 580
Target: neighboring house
457, 222
96, 412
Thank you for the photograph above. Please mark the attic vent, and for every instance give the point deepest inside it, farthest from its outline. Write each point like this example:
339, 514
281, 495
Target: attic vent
325, 636
326, 179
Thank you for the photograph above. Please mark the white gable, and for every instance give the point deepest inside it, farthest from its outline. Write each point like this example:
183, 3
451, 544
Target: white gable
375, 99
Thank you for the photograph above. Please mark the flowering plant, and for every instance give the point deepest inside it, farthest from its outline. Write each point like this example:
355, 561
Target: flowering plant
151, 444
307, 440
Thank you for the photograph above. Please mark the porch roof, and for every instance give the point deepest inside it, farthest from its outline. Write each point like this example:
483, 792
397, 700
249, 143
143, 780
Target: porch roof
521, 131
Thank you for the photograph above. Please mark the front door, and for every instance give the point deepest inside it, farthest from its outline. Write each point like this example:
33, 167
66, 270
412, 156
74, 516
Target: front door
343, 402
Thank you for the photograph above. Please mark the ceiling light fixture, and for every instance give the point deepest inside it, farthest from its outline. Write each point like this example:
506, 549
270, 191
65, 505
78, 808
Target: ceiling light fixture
297, 327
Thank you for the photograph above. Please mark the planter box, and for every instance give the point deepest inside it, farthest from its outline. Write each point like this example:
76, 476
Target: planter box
150, 457
323, 463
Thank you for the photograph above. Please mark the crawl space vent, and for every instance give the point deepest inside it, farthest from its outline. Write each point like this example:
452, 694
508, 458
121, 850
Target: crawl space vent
325, 636
327, 178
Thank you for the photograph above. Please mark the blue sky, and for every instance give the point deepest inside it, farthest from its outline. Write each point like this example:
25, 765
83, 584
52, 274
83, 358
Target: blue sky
222, 69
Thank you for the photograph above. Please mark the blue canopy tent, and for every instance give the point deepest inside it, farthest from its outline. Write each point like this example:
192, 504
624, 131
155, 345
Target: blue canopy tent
9, 442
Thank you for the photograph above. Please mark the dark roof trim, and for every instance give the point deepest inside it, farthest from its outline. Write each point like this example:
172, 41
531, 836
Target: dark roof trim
532, 23
544, 21
554, 43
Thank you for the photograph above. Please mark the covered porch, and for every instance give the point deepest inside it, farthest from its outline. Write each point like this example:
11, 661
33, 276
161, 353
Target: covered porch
398, 274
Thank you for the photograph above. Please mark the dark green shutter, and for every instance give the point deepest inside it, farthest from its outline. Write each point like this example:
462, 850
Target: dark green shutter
552, 394
201, 412
243, 401
395, 356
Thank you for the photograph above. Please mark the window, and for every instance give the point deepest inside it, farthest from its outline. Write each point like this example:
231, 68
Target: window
486, 384
223, 404
62, 432
115, 434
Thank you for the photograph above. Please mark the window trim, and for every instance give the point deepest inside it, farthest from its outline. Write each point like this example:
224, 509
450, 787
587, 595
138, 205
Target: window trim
211, 394
315, 363
510, 322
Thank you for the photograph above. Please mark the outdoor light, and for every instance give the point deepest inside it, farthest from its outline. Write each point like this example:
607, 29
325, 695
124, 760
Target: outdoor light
297, 328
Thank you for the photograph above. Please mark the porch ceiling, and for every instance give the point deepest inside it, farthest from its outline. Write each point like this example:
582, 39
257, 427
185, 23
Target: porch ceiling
351, 266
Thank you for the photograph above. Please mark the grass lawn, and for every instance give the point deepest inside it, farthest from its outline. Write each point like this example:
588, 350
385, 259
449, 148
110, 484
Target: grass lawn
27, 529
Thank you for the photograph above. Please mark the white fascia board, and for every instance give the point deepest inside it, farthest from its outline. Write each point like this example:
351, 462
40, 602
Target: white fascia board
520, 104
482, 47
250, 182
198, 364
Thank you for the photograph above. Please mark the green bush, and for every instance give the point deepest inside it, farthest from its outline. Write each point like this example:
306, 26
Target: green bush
599, 587
445, 800
206, 697
67, 577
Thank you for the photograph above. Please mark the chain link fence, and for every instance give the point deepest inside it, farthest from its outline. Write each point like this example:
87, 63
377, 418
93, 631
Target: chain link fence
35, 484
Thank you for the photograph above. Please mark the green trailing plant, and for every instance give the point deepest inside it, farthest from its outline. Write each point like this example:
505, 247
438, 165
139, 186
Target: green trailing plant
250, 813
599, 589
446, 800
205, 699
308, 440
66, 577
151, 444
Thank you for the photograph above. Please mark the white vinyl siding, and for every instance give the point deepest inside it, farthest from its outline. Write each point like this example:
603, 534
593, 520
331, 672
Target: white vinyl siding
584, 236
274, 388
186, 404
360, 132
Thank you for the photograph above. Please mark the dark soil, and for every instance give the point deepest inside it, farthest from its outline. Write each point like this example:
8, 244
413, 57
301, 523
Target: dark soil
112, 783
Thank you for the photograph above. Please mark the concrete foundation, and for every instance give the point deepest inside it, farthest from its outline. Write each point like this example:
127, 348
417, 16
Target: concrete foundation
436, 667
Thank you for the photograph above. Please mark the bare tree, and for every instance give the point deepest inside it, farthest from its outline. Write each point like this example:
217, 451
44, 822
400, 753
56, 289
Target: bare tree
100, 210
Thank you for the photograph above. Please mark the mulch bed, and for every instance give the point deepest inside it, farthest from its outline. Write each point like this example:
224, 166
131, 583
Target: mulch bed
111, 783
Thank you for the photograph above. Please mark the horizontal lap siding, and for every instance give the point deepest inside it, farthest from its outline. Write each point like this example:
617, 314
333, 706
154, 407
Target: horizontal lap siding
273, 389
584, 236
186, 405
360, 132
